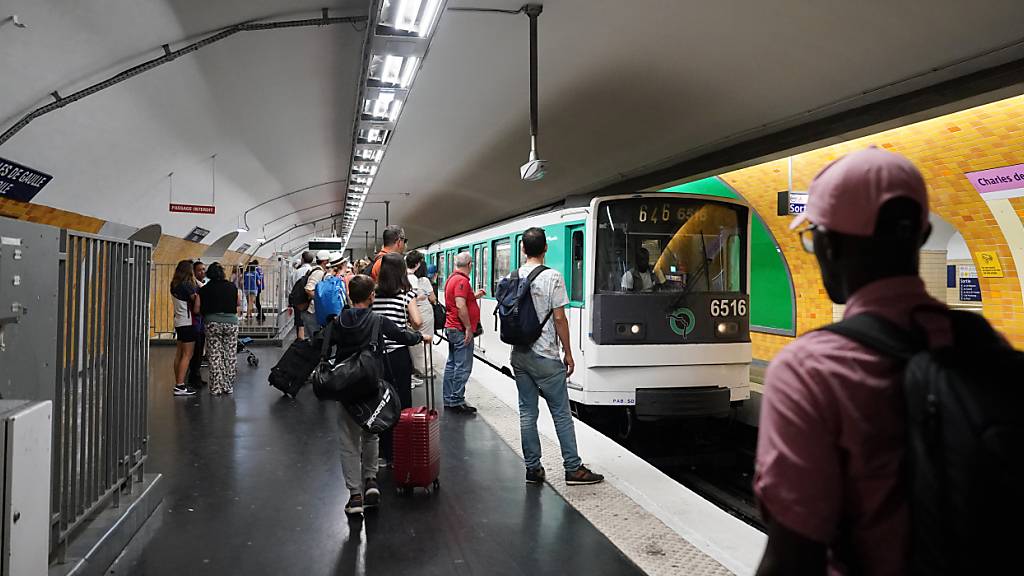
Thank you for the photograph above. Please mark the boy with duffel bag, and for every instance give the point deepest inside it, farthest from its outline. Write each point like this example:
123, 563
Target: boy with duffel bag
356, 330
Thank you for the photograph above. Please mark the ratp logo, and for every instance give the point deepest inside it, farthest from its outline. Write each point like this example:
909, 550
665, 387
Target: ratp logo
682, 321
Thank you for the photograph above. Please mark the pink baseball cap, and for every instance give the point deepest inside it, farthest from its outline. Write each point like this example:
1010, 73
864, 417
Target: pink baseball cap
846, 195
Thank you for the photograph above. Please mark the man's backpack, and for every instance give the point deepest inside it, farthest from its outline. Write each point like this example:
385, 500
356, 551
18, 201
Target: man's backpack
298, 298
328, 298
519, 323
965, 433
368, 271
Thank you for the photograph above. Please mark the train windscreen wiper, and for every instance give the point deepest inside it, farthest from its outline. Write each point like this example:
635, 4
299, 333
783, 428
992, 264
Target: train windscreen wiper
692, 281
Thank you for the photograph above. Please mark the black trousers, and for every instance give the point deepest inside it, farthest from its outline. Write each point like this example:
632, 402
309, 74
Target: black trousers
194, 365
398, 370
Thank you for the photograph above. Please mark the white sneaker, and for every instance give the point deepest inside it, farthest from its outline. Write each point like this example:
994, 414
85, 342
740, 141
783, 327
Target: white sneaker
416, 382
184, 391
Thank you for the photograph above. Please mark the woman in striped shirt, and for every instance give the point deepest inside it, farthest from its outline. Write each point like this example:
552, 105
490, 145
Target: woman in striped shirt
396, 300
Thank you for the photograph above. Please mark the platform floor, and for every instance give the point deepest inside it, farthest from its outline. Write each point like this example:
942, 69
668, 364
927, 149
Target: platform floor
254, 487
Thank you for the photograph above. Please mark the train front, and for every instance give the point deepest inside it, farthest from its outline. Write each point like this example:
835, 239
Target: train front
667, 306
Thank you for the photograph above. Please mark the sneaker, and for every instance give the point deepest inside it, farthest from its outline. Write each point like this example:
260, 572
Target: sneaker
581, 476
535, 475
204, 363
416, 382
371, 493
184, 391
355, 504
383, 463
461, 409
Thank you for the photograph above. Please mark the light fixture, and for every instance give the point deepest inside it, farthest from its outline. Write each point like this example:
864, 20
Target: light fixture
369, 153
384, 105
407, 17
373, 136
261, 240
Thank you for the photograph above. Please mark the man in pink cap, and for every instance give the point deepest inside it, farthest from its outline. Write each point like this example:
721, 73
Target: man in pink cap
832, 432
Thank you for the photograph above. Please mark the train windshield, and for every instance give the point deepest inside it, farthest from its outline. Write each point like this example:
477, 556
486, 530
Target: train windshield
662, 244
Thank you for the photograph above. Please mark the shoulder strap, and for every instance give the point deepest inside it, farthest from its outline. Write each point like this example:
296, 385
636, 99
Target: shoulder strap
514, 275
325, 349
375, 339
536, 272
878, 334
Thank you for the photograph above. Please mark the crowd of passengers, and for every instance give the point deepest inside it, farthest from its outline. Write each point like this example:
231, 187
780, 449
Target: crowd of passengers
830, 470
399, 286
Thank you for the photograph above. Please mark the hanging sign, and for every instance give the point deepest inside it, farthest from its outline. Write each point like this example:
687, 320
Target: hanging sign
999, 183
988, 264
19, 182
797, 202
197, 234
243, 248
193, 208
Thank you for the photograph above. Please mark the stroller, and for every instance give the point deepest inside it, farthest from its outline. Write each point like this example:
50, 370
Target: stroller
251, 358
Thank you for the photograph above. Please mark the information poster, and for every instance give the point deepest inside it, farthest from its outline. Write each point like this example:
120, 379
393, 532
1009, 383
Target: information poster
970, 290
988, 264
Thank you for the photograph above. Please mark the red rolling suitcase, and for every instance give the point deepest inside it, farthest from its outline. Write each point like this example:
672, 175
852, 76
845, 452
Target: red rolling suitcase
417, 440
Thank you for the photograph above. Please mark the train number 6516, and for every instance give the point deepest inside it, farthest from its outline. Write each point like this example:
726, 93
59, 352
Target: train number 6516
728, 308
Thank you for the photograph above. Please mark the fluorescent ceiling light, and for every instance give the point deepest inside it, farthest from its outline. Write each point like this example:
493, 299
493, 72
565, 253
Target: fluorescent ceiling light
364, 180
373, 135
408, 69
374, 154
409, 17
396, 108
364, 168
380, 108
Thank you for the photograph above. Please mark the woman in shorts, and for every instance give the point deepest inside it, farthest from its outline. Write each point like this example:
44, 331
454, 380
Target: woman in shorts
184, 295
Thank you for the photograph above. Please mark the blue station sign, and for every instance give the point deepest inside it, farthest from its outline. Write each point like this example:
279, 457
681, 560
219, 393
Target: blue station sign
19, 182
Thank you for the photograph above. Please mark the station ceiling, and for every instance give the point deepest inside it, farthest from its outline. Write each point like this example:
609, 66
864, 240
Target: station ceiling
624, 88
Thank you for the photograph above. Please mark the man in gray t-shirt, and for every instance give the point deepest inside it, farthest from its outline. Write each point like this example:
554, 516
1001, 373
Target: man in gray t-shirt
540, 371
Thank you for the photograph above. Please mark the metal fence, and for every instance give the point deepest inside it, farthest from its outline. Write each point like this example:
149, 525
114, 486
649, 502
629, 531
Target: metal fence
100, 400
161, 313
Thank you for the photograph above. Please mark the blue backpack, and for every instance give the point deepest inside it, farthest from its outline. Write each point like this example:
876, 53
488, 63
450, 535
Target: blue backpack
328, 298
519, 323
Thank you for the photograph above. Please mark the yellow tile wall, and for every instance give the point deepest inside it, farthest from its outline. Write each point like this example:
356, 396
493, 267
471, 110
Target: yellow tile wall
944, 149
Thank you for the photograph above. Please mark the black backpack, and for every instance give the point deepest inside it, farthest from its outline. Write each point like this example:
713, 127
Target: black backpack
519, 323
368, 271
298, 296
965, 441
353, 378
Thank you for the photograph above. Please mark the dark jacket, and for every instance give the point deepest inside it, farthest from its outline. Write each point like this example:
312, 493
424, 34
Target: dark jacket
218, 297
351, 332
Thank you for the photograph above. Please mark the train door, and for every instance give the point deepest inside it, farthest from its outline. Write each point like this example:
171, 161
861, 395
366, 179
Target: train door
519, 250
576, 285
479, 278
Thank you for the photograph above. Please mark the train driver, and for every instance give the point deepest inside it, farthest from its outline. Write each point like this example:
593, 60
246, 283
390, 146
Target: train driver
639, 278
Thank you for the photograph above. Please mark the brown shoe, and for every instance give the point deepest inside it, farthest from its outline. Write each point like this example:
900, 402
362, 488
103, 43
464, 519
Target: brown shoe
581, 476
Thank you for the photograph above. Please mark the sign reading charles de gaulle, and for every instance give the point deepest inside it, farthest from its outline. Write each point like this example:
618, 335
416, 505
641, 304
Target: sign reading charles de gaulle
19, 182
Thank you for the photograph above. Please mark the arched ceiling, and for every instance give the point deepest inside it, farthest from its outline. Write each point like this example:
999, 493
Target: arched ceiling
625, 87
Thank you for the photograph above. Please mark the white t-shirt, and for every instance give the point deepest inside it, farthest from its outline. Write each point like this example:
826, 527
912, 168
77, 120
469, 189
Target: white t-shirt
646, 280
422, 288
548, 291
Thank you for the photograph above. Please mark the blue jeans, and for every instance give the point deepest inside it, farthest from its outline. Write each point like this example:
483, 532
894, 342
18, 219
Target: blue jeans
457, 368
539, 376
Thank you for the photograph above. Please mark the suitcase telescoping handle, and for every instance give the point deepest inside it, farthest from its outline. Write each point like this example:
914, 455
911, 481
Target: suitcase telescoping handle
429, 373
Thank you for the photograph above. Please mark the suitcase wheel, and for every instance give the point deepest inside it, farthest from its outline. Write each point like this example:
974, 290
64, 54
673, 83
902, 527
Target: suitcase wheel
437, 484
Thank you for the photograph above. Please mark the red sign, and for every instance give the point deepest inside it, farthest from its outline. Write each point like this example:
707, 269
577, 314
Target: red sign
193, 208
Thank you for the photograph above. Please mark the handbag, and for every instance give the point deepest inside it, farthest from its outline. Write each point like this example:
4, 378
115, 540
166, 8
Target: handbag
440, 316
378, 413
353, 378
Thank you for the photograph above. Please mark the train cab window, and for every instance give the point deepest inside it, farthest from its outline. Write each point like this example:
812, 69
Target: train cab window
659, 244
502, 266
576, 281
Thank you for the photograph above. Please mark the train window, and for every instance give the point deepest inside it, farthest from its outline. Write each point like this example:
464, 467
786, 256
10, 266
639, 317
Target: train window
478, 267
502, 265
576, 282
671, 245
522, 254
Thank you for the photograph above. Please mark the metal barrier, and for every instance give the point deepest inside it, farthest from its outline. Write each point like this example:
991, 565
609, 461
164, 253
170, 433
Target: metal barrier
161, 307
100, 400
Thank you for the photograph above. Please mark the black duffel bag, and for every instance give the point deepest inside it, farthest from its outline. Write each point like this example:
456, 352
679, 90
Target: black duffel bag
440, 315
379, 413
353, 378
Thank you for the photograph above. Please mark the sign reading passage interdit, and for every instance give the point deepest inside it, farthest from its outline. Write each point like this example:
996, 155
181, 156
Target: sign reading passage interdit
193, 208
19, 182
999, 183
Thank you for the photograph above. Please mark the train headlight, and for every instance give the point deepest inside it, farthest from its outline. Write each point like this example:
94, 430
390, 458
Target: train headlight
635, 328
727, 329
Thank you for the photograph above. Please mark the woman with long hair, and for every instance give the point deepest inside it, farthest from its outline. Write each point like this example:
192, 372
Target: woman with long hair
396, 300
221, 304
425, 299
186, 306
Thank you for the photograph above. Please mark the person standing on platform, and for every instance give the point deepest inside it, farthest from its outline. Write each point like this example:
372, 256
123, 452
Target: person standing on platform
459, 328
323, 258
425, 299
195, 375
541, 371
186, 302
302, 267
221, 304
831, 448
394, 243
396, 301
252, 285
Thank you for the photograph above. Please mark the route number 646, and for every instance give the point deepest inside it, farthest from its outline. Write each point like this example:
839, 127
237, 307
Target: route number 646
721, 308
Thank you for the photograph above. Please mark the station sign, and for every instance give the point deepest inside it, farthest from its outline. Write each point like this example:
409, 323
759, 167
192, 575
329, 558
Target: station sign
243, 248
19, 182
193, 208
797, 202
999, 183
970, 290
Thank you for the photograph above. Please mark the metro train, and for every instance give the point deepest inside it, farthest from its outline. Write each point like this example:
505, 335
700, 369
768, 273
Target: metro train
670, 341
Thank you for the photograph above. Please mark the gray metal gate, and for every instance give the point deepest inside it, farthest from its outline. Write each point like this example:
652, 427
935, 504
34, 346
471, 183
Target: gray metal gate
100, 401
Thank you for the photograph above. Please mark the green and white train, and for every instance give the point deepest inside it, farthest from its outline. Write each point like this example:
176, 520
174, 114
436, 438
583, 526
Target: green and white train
677, 343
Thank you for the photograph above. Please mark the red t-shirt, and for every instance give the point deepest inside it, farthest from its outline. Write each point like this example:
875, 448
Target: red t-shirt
458, 286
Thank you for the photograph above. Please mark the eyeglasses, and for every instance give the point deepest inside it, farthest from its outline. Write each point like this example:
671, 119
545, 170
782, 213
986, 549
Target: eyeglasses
404, 239
807, 237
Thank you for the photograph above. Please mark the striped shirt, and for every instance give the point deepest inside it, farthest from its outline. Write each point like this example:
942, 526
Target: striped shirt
394, 308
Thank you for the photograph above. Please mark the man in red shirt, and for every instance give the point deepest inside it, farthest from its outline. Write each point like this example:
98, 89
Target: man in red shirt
459, 326
831, 440
394, 241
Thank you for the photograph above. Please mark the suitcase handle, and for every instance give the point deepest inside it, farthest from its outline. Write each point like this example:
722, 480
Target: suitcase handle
429, 375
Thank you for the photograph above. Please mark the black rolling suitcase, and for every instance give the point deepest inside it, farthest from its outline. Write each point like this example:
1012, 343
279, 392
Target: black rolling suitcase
295, 366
